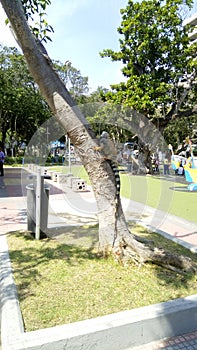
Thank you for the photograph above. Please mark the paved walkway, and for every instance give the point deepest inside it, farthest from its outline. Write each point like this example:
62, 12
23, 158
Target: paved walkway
68, 207
183, 342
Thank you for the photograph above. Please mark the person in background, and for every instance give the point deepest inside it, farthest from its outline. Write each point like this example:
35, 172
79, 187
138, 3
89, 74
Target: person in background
2, 157
166, 165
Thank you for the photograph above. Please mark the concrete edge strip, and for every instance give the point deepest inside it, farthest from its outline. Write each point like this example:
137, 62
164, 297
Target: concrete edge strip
184, 244
122, 330
11, 317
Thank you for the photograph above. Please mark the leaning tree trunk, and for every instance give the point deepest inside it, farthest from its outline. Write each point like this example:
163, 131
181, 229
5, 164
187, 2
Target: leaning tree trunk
75, 125
114, 234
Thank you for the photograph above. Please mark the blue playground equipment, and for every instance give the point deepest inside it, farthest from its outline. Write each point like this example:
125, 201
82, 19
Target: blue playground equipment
189, 165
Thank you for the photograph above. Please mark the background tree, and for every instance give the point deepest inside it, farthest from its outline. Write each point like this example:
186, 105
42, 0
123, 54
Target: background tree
157, 56
114, 235
72, 78
22, 108
177, 131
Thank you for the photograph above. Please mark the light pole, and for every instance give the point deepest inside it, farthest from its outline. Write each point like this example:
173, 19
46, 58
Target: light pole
69, 154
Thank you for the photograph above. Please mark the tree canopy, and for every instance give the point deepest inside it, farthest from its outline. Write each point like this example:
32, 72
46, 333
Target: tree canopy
22, 108
157, 56
72, 78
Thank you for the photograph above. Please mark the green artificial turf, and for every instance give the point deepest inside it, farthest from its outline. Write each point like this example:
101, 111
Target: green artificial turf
169, 194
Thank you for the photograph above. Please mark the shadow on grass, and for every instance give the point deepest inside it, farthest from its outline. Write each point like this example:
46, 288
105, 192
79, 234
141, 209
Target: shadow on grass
164, 275
83, 235
28, 256
67, 246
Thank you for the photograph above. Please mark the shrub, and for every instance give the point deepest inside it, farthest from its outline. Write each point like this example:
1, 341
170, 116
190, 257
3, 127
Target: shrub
13, 160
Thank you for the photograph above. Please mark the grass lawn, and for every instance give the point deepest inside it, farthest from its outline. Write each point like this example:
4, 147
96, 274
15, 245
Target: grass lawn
60, 283
167, 194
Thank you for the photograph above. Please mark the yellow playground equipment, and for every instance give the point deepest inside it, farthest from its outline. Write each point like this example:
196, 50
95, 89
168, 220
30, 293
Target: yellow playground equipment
190, 170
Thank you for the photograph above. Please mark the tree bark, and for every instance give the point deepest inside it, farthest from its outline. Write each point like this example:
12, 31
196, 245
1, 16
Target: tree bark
114, 235
74, 124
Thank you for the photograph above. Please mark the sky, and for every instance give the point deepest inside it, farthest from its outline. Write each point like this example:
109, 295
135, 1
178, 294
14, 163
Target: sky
82, 29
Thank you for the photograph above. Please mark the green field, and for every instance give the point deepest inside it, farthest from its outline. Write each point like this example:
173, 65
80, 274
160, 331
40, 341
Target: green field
164, 194
169, 194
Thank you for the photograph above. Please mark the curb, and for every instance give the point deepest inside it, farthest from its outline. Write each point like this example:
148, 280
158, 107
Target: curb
179, 241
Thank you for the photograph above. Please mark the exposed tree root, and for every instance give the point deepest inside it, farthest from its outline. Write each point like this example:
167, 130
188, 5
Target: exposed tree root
137, 250
173, 261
